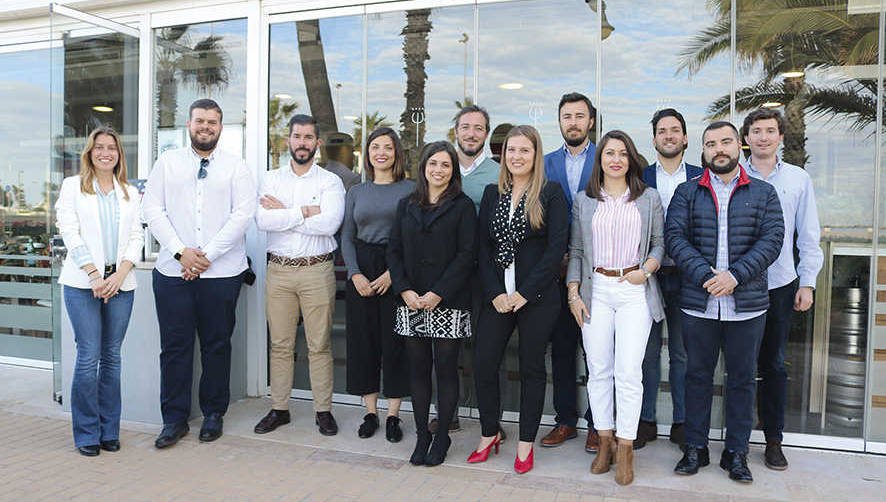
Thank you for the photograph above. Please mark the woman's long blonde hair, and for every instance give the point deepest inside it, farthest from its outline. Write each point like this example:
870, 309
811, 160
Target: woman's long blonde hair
534, 210
87, 170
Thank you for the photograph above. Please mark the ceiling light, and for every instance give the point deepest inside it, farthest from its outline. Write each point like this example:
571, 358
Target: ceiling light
793, 74
511, 86
282, 96
350, 117
102, 108
771, 104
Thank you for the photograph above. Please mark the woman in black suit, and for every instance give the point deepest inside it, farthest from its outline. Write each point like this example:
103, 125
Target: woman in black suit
523, 232
431, 258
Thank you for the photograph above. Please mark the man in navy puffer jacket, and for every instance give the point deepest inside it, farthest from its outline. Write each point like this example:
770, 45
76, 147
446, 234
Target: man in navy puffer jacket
723, 231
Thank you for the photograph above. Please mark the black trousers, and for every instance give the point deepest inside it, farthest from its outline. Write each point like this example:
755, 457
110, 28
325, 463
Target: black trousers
773, 386
535, 322
373, 349
208, 307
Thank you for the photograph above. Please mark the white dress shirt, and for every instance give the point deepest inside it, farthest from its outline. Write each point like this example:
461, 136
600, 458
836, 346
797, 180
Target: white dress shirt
290, 234
211, 214
667, 184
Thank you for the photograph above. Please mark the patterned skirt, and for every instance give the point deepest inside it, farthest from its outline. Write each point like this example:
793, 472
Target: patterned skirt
437, 323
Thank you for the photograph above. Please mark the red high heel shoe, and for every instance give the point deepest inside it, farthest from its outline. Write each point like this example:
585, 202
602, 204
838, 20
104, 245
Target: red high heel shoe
523, 466
483, 455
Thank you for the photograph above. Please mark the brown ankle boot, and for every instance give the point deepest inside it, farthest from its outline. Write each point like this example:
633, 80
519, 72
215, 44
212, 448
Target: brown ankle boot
603, 460
624, 470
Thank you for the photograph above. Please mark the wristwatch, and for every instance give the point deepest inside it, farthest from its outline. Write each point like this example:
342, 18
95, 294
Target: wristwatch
178, 255
647, 273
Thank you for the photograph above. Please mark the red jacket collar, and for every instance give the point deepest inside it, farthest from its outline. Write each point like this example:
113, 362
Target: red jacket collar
743, 178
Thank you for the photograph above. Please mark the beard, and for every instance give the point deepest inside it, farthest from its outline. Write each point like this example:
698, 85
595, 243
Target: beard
467, 152
310, 158
574, 141
733, 161
203, 146
678, 150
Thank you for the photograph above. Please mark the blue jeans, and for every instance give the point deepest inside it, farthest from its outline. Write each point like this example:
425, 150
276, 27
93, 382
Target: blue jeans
670, 289
95, 390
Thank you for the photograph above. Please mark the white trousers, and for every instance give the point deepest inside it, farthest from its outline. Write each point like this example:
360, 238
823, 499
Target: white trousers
615, 343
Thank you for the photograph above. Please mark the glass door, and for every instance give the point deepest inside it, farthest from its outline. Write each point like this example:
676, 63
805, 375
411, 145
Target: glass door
94, 82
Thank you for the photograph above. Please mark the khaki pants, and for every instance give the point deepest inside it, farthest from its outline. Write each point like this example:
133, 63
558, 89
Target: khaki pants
310, 291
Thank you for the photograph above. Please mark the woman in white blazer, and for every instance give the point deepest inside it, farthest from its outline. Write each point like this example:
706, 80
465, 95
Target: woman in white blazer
98, 218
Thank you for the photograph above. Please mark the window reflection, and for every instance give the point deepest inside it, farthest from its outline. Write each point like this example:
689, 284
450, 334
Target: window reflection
317, 68
421, 70
524, 68
193, 61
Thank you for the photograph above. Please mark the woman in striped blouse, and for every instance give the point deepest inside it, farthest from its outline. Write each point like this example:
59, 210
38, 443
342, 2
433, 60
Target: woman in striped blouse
98, 219
616, 244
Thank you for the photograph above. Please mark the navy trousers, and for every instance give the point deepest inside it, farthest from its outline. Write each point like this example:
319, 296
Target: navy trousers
740, 341
773, 385
207, 307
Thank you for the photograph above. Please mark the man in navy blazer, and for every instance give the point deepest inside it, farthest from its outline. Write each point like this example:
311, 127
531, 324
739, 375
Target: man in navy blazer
668, 171
570, 166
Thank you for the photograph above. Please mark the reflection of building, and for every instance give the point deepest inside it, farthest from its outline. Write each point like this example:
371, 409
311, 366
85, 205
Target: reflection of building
417, 60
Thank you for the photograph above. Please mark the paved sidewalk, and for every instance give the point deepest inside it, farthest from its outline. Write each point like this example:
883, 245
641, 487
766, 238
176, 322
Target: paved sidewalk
38, 462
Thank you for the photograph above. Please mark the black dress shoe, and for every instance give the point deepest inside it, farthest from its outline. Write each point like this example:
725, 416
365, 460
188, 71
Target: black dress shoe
111, 445
274, 419
694, 458
737, 465
171, 434
774, 457
326, 423
90, 450
437, 454
393, 432
212, 427
369, 426
421, 448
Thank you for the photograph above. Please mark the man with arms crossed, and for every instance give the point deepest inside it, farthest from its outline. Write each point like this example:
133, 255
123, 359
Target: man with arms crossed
670, 140
570, 166
723, 231
198, 203
764, 131
301, 207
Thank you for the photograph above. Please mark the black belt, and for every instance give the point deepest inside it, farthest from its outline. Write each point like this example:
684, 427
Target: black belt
668, 270
110, 269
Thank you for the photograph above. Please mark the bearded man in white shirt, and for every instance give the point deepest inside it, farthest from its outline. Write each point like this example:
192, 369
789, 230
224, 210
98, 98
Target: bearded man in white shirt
301, 208
198, 203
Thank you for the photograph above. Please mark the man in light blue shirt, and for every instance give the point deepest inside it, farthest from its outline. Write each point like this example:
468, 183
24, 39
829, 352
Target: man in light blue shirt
790, 287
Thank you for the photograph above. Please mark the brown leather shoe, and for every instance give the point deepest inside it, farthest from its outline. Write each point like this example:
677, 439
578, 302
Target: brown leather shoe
605, 451
624, 470
559, 435
593, 442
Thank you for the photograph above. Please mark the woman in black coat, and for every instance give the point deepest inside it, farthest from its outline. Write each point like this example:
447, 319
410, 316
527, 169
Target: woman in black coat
523, 231
431, 257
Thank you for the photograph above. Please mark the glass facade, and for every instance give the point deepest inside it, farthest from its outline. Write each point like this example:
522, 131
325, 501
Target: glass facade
411, 65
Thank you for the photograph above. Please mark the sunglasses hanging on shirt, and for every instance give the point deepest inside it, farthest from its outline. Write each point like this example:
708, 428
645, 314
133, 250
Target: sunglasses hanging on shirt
203, 172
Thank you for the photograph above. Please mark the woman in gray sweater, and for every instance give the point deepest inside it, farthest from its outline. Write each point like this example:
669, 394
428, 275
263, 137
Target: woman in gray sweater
372, 346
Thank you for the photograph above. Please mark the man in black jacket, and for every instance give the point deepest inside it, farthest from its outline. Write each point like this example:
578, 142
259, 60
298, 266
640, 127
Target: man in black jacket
723, 231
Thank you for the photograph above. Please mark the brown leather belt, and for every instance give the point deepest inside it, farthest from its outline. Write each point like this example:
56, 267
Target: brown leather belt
299, 262
616, 272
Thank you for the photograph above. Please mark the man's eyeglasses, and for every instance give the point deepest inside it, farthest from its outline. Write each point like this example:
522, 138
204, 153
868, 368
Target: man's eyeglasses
203, 172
